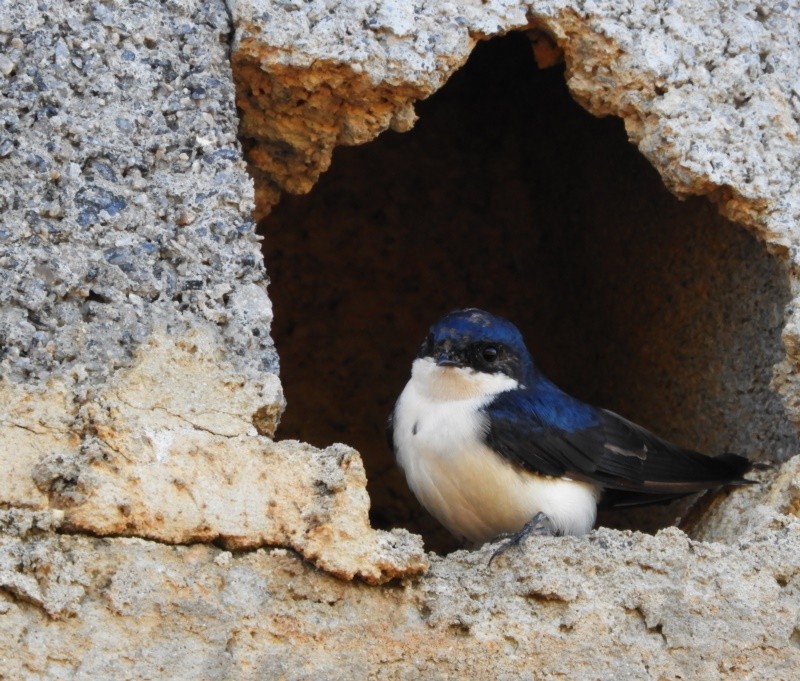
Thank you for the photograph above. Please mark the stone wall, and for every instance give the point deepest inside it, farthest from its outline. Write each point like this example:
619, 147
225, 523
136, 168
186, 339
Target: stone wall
152, 524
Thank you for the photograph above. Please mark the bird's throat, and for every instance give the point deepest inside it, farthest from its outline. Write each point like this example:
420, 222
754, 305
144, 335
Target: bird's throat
442, 383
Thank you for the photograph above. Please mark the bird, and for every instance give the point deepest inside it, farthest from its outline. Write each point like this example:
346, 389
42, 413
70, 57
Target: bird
493, 449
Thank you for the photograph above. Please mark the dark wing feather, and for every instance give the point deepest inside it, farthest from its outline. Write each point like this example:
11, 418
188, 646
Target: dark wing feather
664, 468
546, 431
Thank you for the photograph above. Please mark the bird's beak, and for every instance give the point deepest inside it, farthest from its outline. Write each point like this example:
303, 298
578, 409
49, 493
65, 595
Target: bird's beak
446, 360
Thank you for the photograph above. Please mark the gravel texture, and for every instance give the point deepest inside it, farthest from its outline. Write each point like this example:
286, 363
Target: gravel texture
124, 202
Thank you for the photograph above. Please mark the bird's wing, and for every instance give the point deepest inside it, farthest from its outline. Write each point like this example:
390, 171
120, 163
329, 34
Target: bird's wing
556, 435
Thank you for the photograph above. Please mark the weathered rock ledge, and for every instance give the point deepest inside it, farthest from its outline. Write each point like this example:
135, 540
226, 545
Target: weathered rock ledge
607, 606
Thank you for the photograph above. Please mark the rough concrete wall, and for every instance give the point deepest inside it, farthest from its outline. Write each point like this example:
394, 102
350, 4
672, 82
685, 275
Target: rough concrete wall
612, 606
139, 379
139, 399
121, 183
672, 71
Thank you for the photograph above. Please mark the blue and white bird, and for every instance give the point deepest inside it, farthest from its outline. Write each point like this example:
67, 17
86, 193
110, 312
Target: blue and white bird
490, 447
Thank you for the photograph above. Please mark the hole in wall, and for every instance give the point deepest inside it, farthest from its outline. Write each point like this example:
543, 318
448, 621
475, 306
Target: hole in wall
509, 196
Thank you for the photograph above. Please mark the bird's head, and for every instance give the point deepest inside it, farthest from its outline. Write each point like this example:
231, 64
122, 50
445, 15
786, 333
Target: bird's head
475, 341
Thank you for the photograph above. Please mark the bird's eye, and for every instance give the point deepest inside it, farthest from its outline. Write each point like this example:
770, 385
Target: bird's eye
489, 353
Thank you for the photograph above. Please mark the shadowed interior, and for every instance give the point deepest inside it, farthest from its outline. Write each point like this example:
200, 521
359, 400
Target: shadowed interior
509, 196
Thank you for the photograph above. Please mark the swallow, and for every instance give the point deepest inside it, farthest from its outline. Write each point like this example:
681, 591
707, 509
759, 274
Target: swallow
492, 448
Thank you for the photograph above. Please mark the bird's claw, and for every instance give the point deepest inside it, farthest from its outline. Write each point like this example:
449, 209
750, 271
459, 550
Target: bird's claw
540, 525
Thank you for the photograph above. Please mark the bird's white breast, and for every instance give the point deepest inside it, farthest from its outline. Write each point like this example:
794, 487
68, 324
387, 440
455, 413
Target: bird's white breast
474, 492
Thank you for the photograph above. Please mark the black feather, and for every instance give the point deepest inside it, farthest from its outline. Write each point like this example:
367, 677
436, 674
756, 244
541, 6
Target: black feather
544, 430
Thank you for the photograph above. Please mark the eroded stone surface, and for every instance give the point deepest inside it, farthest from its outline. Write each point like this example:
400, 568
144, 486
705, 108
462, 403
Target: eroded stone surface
707, 93
32, 422
138, 374
608, 606
186, 465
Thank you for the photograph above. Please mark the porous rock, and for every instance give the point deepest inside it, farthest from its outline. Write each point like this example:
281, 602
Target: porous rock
609, 606
186, 465
139, 379
709, 96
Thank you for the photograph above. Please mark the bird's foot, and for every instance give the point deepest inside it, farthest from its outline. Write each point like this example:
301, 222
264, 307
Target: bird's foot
540, 525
